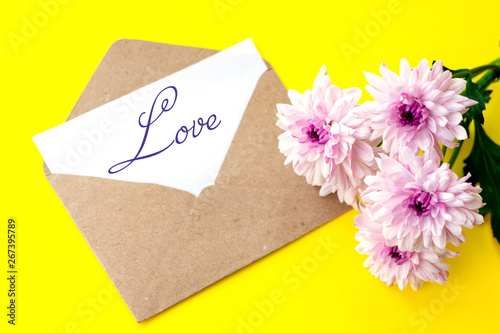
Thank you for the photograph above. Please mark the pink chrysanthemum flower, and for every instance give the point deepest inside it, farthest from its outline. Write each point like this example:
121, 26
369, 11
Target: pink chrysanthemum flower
421, 204
393, 266
419, 109
324, 140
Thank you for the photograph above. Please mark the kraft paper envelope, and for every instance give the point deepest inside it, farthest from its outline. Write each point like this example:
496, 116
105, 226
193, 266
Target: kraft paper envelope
160, 245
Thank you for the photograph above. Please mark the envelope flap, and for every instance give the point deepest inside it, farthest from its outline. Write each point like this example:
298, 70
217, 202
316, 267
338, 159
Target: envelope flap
160, 245
131, 64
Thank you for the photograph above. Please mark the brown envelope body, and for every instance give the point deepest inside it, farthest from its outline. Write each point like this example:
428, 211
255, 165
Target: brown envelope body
160, 245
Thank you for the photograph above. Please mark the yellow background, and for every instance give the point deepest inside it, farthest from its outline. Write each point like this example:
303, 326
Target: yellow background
62, 287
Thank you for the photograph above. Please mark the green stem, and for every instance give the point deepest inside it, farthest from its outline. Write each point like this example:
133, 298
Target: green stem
444, 150
478, 70
486, 80
489, 77
455, 154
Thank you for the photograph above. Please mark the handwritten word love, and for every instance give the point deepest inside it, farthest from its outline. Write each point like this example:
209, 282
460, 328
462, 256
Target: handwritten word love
180, 137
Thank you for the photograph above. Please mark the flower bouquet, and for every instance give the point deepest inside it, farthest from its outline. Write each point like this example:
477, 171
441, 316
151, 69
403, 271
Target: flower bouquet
386, 159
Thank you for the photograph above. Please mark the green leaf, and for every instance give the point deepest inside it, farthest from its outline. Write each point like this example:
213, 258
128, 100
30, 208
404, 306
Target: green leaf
484, 165
472, 91
486, 95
